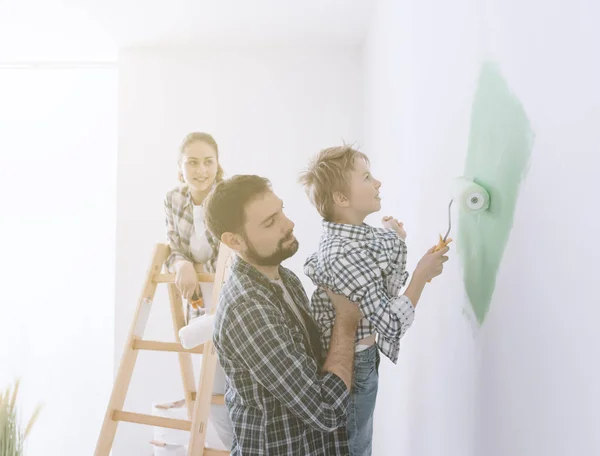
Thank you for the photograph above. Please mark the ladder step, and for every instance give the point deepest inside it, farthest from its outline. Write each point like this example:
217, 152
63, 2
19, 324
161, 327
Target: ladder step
217, 399
165, 347
170, 278
139, 418
213, 452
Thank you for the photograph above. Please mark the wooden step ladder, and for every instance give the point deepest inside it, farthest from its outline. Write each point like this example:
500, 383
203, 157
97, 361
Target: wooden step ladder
198, 403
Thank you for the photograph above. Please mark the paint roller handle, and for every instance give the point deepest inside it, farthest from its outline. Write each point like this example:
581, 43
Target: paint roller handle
196, 302
442, 243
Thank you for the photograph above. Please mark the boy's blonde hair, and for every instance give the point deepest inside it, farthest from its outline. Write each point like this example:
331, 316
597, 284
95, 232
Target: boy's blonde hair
327, 173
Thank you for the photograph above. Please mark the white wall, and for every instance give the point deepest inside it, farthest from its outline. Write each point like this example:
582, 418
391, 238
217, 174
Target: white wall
269, 109
526, 382
425, 401
58, 154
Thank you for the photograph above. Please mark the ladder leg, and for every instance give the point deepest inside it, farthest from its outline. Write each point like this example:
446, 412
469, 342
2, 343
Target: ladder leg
185, 359
125, 371
203, 400
209, 367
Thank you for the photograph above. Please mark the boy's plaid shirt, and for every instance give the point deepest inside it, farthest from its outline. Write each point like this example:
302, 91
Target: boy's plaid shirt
367, 265
279, 400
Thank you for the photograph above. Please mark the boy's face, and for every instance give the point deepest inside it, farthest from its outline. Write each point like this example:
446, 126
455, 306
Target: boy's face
363, 192
268, 236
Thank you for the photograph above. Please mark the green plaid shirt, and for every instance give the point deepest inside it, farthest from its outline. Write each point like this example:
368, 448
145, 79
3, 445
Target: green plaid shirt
179, 211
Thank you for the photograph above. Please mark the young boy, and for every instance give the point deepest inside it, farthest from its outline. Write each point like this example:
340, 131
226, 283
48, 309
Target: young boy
365, 264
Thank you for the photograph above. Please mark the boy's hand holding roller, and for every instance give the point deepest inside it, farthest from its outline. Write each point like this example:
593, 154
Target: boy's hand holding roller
432, 263
441, 247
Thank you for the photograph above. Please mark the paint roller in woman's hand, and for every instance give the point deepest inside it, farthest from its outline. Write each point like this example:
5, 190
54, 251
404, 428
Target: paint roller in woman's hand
196, 300
198, 332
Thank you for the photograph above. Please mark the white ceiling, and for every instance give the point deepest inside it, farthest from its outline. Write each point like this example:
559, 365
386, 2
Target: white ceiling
94, 29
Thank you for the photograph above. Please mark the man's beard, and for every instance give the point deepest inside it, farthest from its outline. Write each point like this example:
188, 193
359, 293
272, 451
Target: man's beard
275, 259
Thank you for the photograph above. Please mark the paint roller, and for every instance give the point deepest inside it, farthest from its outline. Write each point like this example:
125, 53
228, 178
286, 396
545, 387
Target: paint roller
471, 199
197, 332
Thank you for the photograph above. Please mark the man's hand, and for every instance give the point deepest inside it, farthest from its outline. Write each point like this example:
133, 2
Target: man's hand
392, 223
345, 309
340, 359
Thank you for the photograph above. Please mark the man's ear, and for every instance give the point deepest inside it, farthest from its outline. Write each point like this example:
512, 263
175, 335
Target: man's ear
234, 241
339, 199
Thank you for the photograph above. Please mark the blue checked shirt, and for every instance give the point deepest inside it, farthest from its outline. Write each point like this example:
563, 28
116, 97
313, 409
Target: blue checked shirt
279, 400
367, 265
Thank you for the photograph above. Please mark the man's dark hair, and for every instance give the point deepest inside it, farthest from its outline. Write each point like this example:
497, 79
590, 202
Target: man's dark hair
224, 205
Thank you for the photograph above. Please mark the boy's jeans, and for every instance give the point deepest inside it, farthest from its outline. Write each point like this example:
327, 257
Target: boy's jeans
362, 401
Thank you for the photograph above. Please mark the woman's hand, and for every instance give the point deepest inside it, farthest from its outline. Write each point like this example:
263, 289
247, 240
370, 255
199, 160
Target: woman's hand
186, 279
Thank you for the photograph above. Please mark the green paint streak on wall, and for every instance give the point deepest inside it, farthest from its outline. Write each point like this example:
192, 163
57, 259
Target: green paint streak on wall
500, 144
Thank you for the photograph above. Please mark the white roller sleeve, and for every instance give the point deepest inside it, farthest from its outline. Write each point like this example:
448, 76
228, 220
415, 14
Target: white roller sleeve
471, 197
167, 449
199, 331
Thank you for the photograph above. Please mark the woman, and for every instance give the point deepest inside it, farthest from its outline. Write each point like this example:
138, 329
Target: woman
191, 243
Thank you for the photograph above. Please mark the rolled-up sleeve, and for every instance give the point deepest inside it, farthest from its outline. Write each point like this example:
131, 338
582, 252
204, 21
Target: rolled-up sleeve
396, 281
357, 276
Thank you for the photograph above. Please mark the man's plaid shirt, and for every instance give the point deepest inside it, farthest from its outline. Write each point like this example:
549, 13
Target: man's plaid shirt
367, 265
279, 401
